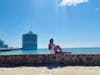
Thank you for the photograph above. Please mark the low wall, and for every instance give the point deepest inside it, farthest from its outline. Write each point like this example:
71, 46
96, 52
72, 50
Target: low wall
68, 59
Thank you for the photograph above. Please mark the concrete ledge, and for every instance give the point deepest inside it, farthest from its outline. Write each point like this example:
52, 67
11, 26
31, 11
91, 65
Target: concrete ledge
68, 59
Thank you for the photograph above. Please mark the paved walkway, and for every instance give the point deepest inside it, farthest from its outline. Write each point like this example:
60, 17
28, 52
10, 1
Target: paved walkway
76, 70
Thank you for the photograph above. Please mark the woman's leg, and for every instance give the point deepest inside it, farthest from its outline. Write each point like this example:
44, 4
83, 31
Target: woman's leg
58, 48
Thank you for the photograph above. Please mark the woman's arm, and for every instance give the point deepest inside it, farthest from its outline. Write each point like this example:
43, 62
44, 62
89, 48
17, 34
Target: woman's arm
49, 47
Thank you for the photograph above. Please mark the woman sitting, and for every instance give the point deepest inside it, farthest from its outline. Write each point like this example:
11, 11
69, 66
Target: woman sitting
54, 49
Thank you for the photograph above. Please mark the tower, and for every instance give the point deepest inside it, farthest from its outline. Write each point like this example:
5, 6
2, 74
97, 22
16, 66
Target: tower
29, 41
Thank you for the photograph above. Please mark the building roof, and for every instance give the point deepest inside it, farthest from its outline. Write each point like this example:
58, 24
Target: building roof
1, 40
30, 33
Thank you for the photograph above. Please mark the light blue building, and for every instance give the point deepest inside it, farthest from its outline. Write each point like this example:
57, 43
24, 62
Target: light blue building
29, 41
3, 45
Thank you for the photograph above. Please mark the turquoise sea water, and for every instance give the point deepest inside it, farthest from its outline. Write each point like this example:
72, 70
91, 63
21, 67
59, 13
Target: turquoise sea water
46, 51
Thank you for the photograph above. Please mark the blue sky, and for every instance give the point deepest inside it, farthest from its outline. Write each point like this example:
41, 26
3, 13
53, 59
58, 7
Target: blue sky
72, 23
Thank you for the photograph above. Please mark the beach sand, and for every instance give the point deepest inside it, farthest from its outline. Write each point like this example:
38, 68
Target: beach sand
66, 70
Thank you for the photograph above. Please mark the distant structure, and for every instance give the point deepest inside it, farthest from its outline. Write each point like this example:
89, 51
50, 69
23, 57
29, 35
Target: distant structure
29, 41
3, 45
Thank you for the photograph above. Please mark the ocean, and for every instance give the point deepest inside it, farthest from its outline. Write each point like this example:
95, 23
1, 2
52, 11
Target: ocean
46, 51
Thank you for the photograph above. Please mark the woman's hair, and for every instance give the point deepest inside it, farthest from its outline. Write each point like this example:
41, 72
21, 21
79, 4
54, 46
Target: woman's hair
51, 40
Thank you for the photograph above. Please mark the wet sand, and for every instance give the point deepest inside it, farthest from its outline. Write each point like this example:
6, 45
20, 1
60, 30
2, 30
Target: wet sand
67, 70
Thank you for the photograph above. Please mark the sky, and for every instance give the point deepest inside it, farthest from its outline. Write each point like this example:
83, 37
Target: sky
72, 23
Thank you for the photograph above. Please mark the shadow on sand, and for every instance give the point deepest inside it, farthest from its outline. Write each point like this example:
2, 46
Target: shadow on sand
49, 66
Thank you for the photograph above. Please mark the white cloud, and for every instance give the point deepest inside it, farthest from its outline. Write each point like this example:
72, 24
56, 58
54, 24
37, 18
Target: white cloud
72, 2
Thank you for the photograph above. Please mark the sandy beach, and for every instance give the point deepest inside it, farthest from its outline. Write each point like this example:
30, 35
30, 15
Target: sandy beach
67, 70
